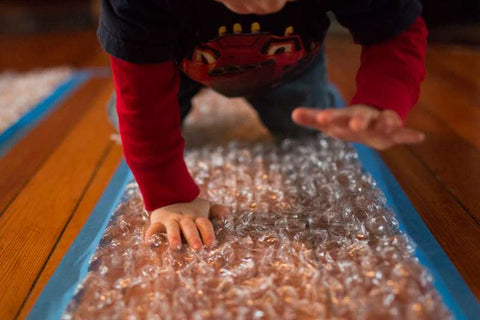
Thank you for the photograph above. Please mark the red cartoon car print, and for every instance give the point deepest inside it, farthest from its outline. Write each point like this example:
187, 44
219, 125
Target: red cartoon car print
238, 64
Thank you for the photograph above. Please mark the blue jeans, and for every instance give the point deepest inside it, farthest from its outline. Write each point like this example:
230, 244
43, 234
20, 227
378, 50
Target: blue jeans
275, 106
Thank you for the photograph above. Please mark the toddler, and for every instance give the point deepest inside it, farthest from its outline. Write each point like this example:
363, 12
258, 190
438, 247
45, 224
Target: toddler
268, 51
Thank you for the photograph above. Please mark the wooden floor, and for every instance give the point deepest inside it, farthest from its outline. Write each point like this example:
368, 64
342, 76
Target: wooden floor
52, 179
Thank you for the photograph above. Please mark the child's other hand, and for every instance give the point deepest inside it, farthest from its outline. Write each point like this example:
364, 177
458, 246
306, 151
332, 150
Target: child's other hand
380, 129
189, 219
259, 7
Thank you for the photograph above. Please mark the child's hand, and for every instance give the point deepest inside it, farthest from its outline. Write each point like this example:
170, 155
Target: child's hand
191, 218
380, 129
254, 6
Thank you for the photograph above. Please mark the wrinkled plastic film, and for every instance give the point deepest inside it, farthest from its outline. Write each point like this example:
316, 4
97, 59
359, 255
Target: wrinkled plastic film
310, 238
20, 92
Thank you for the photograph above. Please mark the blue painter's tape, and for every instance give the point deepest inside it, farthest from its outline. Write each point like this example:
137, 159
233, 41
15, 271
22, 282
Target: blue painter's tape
337, 97
29, 120
60, 289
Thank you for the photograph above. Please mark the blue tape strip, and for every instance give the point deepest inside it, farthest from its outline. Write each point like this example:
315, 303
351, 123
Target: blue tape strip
27, 122
60, 289
455, 293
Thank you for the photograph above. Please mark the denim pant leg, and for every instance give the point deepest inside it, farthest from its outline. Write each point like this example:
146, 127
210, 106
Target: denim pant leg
112, 111
309, 89
188, 88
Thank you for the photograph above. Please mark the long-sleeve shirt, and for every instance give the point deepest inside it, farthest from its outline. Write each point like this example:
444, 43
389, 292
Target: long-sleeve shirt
152, 41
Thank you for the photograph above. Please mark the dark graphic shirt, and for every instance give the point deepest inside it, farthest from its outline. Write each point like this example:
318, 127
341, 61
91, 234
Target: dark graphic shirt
240, 54
151, 40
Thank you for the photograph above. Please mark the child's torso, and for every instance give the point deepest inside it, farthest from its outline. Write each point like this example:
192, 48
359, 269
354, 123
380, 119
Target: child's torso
240, 54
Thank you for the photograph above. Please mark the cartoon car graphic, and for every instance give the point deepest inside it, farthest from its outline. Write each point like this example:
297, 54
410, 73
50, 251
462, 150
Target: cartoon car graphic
238, 64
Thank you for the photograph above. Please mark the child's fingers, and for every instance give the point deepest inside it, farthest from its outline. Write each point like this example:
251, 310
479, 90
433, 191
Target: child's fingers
388, 122
305, 117
154, 228
358, 122
324, 117
313, 118
206, 230
339, 131
351, 119
219, 211
190, 233
173, 234
362, 117
408, 136
172, 229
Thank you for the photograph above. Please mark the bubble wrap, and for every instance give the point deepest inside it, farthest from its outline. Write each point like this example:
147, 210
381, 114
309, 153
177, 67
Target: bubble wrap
310, 238
19, 92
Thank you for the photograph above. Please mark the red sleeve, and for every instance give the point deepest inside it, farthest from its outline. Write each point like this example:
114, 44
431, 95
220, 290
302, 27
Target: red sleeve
149, 120
391, 72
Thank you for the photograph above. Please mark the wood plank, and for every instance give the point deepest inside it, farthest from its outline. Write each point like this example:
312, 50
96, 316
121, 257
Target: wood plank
463, 63
47, 50
453, 228
99, 59
453, 98
31, 225
452, 160
25, 158
343, 61
85, 208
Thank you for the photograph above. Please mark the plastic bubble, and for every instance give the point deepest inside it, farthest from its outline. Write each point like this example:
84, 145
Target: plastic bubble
20, 92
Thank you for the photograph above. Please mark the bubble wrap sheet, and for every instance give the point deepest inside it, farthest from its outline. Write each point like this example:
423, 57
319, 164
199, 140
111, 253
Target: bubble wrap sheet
310, 238
20, 92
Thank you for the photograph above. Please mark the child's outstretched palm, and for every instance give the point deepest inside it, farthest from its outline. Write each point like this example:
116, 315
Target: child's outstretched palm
380, 129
